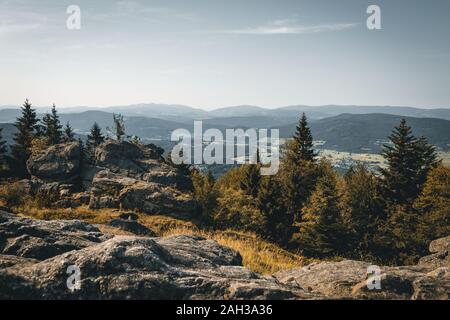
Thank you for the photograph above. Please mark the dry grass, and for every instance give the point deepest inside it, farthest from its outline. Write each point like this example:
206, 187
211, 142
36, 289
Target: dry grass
81, 213
162, 225
112, 230
258, 255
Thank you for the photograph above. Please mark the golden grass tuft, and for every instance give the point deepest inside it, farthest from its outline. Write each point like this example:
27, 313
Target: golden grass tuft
258, 255
112, 230
81, 213
161, 225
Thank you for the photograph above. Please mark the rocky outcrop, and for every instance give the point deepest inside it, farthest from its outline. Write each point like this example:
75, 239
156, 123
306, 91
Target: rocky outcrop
134, 178
111, 190
7, 261
122, 175
40, 240
139, 162
132, 226
441, 254
178, 267
440, 245
119, 155
60, 162
146, 268
328, 278
349, 279
130, 267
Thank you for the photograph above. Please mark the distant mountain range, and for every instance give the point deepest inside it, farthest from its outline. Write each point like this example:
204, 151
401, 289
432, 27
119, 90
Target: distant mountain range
342, 128
170, 111
180, 113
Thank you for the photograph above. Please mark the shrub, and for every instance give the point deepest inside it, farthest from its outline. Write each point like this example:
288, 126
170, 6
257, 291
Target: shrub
39, 144
45, 199
238, 210
12, 194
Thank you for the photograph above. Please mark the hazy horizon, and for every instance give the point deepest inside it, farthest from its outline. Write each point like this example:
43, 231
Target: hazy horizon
213, 108
214, 54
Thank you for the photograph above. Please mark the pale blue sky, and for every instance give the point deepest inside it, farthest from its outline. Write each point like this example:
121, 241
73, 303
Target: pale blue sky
211, 53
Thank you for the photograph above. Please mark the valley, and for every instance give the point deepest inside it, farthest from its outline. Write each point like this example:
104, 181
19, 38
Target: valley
344, 134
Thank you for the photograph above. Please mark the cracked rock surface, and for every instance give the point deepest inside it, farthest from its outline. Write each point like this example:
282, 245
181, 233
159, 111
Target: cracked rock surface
35, 256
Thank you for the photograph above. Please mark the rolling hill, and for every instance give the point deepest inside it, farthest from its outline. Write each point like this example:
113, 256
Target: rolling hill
344, 132
367, 132
279, 116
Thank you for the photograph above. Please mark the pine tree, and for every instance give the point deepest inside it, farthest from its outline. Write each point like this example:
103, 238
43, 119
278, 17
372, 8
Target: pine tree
94, 139
205, 193
26, 125
3, 144
427, 159
298, 169
409, 160
298, 182
401, 242
433, 205
4, 168
250, 179
321, 233
278, 222
82, 151
362, 208
302, 147
52, 127
68, 135
237, 210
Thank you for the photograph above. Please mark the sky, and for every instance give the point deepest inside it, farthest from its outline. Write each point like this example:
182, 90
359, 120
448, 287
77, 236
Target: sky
215, 53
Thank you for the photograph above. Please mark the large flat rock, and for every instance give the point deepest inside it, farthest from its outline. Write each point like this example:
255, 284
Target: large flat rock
40, 240
349, 279
127, 267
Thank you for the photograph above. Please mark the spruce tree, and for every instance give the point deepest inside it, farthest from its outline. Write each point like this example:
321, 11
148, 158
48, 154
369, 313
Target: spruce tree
68, 135
302, 146
238, 211
322, 233
428, 159
278, 222
433, 205
52, 127
26, 125
3, 144
250, 179
362, 208
409, 160
298, 169
205, 194
3, 158
94, 139
298, 183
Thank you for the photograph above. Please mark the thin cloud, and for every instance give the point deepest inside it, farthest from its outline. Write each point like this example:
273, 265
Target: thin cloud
133, 8
290, 26
7, 29
15, 21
